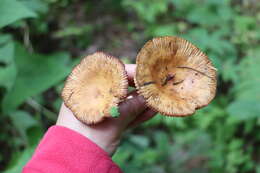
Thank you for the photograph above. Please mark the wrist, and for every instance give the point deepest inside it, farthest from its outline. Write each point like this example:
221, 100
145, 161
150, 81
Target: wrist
104, 139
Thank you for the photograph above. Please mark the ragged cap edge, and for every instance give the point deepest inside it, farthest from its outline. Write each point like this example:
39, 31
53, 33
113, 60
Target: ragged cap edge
121, 98
138, 87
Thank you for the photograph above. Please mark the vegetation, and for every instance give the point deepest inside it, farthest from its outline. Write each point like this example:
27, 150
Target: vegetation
41, 40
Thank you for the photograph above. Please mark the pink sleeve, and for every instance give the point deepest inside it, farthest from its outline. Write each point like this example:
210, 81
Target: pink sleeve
64, 150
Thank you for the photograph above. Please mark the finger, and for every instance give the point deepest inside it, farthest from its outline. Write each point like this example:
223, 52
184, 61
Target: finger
67, 119
130, 69
147, 115
131, 108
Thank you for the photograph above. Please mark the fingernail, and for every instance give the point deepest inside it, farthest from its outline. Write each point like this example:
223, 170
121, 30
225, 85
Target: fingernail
129, 97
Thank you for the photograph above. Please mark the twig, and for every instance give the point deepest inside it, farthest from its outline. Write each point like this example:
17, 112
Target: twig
38, 107
195, 70
148, 83
176, 83
26, 38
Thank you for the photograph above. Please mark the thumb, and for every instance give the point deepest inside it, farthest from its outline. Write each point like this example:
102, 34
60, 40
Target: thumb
131, 108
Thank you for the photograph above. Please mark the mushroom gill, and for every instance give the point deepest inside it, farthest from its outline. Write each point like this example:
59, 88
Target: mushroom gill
174, 76
94, 86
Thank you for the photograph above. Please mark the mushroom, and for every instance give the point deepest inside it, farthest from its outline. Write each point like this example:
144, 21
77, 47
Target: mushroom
94, 87
174, 76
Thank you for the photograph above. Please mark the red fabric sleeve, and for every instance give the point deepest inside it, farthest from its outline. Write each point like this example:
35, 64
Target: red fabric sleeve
64, 150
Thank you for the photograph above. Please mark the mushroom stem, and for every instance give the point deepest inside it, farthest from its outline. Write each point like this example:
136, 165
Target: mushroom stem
195, 70
167, 79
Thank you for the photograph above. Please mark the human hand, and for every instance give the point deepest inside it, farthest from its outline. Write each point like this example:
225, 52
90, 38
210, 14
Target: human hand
107, 134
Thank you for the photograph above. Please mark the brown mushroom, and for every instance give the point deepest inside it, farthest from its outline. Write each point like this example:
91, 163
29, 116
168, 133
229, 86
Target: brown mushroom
95, 86
174, 76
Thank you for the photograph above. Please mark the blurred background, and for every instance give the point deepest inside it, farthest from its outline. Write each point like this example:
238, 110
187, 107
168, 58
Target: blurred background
41, 40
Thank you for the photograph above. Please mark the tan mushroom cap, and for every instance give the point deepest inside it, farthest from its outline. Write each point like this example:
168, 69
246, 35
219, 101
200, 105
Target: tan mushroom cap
174, 76
94, 86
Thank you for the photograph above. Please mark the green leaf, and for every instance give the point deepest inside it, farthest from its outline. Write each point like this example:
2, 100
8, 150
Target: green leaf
36, 73
148, 157
38, 6
229, 71
258, 168
151, 7
162, 141
211, 13
22, 121
12, 10
235, 144
73, 31
121, 156
203, 15
114, 112
244, 109
8, 71
131, 89
247, 91
139, 140
20, 161
34, 134
7, 76
163, 30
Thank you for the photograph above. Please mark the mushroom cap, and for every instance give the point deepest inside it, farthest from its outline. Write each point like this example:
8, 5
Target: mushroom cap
174, 76
94, 86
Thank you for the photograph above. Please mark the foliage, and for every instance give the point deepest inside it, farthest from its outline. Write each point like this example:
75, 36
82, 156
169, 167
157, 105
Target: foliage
38, 39
114, 112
